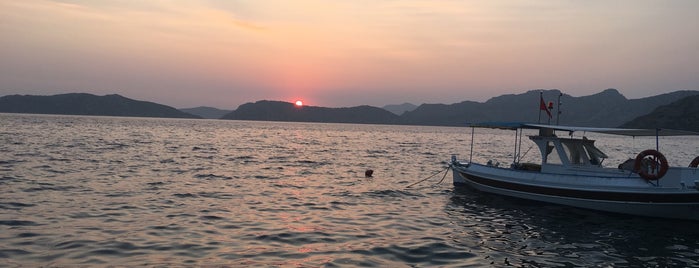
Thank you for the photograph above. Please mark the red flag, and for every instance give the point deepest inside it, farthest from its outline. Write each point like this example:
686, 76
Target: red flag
542, 106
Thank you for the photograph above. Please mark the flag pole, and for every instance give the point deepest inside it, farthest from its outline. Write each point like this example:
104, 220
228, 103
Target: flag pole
558, 108
541, 97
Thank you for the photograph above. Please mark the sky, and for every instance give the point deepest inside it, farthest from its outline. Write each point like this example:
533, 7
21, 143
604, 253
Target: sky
340, 53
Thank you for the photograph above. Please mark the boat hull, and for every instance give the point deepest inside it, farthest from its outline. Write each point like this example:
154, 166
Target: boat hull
633, 199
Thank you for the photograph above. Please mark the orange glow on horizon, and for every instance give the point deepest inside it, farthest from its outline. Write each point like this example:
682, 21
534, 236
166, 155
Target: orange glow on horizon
343, 53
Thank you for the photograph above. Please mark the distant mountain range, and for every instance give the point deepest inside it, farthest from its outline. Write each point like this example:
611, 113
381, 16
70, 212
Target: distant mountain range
682, 114
87, 104
605, 109
206, 112
284, 111
400, 109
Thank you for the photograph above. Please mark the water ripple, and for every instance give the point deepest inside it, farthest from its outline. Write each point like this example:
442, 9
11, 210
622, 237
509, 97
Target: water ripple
14, 205
18, 223
110, 191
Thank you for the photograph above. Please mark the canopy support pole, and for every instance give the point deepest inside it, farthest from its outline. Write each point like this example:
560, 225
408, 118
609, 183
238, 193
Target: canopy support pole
514, 160
519, 154
470, 158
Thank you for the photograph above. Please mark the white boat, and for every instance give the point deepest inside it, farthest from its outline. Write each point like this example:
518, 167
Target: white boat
571, 173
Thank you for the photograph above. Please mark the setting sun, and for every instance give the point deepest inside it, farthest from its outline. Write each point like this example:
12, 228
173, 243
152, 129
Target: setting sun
299, 103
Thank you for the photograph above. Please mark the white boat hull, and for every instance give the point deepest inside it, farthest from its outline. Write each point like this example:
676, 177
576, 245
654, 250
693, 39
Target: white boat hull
607, 192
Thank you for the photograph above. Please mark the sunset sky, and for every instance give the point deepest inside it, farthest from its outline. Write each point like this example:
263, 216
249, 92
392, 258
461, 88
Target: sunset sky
337, 53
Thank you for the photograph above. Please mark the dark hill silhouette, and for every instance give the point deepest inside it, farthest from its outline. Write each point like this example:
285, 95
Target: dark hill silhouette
87, 104
605, 109
682, 114
285, 111
445, 115
400, 109
206, 112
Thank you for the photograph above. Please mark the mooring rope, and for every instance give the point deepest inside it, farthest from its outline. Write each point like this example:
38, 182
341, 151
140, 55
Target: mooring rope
445, 175
446, 170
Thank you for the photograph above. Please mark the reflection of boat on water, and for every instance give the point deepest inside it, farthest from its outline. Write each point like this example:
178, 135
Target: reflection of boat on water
571, 173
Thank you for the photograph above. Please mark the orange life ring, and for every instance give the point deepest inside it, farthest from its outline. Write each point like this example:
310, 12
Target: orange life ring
695, 162
658, 163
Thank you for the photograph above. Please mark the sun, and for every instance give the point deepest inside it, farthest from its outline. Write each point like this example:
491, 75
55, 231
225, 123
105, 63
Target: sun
299, 103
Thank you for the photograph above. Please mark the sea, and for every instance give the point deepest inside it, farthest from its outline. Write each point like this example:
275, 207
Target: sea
84, 191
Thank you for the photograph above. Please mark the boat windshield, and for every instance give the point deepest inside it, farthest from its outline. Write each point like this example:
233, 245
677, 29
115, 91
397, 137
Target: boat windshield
582, 152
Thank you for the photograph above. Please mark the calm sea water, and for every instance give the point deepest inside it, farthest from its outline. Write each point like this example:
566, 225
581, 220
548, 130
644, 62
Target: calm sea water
101, 191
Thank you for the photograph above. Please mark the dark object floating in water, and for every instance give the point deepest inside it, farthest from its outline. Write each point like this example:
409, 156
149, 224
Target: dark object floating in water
368, 173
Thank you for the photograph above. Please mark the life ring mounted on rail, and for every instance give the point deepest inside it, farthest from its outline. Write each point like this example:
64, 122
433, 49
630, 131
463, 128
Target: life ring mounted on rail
695, 162
652, 168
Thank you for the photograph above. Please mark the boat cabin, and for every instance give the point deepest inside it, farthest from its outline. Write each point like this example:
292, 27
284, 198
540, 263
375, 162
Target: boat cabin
568, 151
565, 155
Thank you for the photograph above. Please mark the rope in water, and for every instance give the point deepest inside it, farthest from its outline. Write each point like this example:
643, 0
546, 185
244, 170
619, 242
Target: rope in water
445, 175
446, 170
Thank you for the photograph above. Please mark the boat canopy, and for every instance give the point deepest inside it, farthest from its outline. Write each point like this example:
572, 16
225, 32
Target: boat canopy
614, 131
